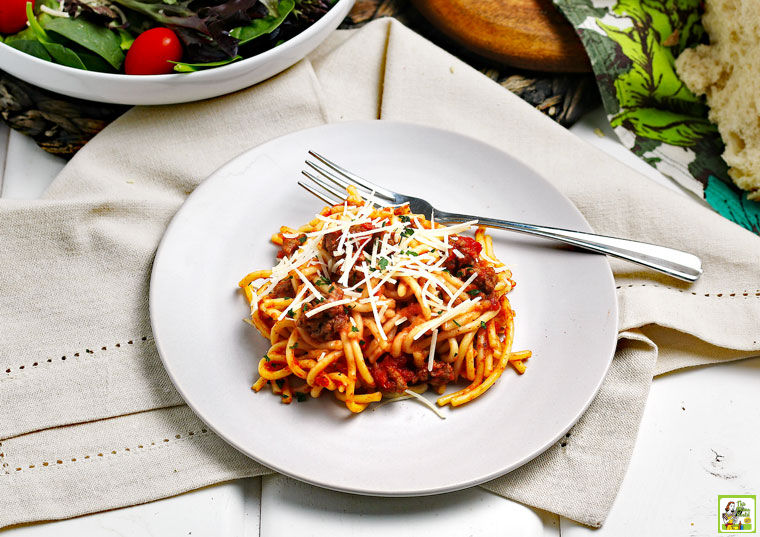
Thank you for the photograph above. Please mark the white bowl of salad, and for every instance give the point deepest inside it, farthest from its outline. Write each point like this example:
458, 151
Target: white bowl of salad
153, 52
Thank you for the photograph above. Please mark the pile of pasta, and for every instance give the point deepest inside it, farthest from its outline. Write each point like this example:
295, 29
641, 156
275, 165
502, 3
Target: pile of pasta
369, 302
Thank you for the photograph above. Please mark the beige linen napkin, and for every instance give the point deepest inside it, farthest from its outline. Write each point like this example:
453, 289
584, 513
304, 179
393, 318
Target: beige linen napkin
89, 420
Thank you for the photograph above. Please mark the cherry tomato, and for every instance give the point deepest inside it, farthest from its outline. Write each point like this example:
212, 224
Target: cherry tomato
152, 51
12, 16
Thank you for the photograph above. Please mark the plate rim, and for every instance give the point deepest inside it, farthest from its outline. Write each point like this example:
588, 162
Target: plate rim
212, 177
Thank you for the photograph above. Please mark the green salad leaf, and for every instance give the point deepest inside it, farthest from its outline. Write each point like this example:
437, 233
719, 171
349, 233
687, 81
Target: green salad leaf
52, 46
27, 34
264, 25
34, 24
182, 67
125, 39
93, 62
52, 4
34, 48
98, 39
64, 55
95, 34
271, 6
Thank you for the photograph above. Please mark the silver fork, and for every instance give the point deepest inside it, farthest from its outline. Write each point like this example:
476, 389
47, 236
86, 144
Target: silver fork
676, 263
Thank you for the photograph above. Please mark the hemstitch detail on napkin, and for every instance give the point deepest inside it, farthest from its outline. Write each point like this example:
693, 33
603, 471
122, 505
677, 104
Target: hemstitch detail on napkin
4, 464
25, 367
103, 455
749, 294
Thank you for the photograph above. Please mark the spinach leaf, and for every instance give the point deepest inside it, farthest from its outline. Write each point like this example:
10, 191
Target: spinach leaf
264, 25
93, 62
34, 25
52, 4
64, 55
58, 52
271, 6
182, 67
98, 39
27, 34
33, 48
125, 39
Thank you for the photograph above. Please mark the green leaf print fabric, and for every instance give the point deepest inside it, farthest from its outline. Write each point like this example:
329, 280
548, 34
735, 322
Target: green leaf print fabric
632, 45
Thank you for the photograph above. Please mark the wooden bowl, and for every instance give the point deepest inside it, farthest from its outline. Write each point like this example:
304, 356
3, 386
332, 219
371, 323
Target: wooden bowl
529, 34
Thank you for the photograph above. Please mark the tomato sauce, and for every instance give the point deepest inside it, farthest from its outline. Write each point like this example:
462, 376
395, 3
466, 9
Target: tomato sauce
469, 264
395, 374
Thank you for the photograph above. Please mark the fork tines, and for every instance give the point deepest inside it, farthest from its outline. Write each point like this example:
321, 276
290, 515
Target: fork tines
343, 178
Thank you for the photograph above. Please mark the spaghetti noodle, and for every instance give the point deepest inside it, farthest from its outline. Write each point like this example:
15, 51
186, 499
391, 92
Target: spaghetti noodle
369, 302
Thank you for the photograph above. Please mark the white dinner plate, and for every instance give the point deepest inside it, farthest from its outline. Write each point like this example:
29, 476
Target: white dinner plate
566, 313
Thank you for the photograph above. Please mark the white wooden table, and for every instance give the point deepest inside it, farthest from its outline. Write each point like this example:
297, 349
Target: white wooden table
688, 451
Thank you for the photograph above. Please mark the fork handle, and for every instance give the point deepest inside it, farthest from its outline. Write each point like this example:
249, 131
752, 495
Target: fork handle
681, 265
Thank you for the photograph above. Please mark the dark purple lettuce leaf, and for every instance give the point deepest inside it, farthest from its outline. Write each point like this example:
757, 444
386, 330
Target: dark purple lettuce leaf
77, 8
213, 20
199, 48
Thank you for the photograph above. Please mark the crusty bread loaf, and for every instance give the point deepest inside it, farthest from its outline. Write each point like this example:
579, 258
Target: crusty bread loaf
727, 71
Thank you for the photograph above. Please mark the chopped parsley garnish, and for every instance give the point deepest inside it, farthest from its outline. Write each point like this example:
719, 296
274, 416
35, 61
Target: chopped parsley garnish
412, 252
284, 395
347, 309
362, 342
408, 232
482, 324
267, 358
331, 289
456, 323
301, 397
291, 314
473, 292
322, 281
294, 346
383, 263
302, 239
404, 218
354, 329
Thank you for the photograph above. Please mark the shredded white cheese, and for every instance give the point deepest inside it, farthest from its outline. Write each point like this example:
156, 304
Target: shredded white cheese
425, 402
431, 356
373, 303
308, 284
402, 247
467, 282
297, 301
435, 322
328, 305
